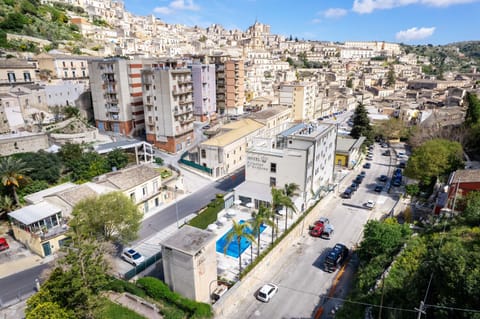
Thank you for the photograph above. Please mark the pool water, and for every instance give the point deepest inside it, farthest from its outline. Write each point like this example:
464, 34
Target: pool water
232, 249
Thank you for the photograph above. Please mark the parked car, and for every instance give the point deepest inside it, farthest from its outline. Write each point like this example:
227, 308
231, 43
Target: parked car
335, 257
378, 188
322, 228
383, 178
402, 164
370, 204
267, 292
369, 157
386, 153
132, 256
3, 244
347, 193
363, 173
358, 180
354, 186
367, 165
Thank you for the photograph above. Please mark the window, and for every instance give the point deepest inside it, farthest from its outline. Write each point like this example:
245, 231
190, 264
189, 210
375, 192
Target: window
132, 197
66, 74
11, 77
84, 74
204, 154
273, 182
155, 186
273, 167
26, 76
64, 65
157, 202
144, 191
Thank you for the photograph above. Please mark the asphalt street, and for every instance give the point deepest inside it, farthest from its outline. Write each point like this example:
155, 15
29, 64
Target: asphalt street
300, 276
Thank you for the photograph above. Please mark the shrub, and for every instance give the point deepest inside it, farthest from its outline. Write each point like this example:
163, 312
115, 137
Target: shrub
125, 286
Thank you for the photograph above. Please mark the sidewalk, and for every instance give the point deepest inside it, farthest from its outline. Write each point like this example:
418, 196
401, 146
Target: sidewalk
23, 263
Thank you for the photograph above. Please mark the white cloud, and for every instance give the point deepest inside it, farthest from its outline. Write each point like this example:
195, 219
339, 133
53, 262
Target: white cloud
316, 21
368, 6
334, 13
414, 34
184, 5
177, 5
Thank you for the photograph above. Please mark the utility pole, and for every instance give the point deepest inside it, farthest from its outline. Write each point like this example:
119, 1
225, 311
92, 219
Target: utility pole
421, 310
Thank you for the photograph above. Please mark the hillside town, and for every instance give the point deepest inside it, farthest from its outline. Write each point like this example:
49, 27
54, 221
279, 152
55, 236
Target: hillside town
253, 128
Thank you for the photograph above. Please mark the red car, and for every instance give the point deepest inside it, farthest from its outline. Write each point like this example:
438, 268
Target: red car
3, 244
317, 230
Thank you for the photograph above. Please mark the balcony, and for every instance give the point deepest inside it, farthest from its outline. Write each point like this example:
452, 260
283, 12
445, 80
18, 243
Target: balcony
181, 92
187, 121
184, 80
113, 109
185, 102
182, 111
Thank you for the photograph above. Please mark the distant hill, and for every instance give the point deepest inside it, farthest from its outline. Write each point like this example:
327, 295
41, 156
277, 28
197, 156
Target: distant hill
31, 18
459, 57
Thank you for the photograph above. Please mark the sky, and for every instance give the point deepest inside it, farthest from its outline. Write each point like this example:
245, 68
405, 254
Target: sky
434, 22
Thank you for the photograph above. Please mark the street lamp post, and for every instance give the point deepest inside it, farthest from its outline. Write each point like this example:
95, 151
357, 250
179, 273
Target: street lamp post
176, 205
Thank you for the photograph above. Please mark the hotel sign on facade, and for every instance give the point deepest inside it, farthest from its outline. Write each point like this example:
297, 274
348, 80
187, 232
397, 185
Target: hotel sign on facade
259, 162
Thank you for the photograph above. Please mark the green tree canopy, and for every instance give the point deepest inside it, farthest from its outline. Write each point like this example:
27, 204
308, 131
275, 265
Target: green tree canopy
471, 213
117, 158
109, 217
12, 173
434, 158
44, 166
473, 109
361, 124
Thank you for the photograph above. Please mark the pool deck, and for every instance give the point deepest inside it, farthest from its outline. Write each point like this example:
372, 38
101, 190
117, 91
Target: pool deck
227, 266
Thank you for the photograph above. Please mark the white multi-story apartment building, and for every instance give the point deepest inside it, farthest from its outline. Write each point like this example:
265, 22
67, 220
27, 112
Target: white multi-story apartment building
168, 99
300, 97
204, 91
117, 95
303, 154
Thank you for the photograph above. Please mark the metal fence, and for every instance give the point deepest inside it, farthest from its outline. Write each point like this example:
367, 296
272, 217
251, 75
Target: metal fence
194, 165
138, 269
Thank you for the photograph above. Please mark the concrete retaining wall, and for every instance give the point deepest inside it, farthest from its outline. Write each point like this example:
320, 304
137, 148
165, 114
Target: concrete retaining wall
21, 143
244, 288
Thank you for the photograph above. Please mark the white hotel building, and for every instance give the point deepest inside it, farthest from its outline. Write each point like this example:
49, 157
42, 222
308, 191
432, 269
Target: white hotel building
304, 154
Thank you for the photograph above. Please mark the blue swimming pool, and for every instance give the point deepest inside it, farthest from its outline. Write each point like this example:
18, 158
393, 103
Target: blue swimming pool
232, 249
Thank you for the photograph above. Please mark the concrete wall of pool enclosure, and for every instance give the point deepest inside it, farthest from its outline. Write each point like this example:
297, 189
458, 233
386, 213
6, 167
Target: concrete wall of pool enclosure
247, 285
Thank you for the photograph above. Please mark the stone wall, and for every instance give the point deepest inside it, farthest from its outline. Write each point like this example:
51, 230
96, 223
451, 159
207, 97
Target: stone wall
21, 143
243, 288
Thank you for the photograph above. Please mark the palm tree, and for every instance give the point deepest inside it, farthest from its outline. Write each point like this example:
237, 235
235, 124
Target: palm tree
290, 191
263, 216
6, 205
278, 201
12, 173
239, 231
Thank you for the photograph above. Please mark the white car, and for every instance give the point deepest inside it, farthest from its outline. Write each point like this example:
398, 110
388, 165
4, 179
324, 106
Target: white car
267, 292
133, 257
370, 204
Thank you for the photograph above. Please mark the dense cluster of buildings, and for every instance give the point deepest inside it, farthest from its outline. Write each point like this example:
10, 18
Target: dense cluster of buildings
261, 110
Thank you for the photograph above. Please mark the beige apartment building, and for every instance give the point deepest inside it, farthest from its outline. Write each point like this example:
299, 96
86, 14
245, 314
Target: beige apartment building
117, 95
16, 72
63, 66
190, 263
225, 153
301, 98
168, 100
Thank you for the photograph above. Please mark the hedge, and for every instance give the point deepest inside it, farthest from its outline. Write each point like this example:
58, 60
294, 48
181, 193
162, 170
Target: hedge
158, 290
209, 215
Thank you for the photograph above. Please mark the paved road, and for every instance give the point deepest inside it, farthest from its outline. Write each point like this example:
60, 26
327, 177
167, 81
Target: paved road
300, 275
189, 205
20, 285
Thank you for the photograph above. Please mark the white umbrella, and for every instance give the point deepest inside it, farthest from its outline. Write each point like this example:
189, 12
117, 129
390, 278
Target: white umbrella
250, 205
237, 202
212, 227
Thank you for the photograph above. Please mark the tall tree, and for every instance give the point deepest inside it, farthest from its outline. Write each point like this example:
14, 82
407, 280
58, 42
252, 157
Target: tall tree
391, 79
434, 158
239, 231
473, 109
261, 217
278, 201
290, 190
12, 172
74, 285
44, 166
361, 124
109, 217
